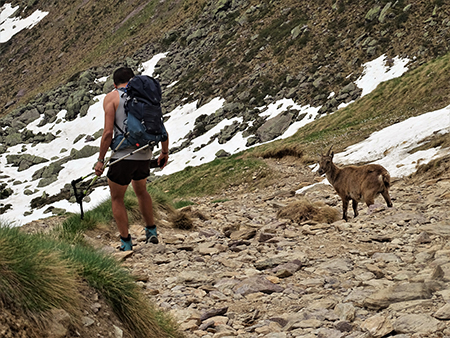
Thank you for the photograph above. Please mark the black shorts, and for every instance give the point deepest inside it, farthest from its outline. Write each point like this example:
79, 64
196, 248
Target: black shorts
124, 171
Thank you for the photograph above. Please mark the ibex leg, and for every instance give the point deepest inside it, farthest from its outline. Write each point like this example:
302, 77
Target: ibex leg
387, 198
355, 207
344, 209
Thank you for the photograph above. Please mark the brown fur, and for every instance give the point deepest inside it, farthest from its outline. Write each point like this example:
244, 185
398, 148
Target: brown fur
358, 184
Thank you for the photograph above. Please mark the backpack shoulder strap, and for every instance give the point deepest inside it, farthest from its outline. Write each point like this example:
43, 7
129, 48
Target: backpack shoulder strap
120, 129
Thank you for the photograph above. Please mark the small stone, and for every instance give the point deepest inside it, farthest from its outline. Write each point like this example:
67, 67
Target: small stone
87, 321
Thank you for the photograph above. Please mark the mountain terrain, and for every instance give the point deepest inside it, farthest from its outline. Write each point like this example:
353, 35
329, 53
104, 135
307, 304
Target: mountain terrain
269, 263
249, 54
250, 267
242, 51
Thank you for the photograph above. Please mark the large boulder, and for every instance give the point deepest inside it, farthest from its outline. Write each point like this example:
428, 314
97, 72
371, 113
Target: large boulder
275, 126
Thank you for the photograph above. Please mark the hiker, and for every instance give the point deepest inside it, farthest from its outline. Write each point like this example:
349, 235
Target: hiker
134, 169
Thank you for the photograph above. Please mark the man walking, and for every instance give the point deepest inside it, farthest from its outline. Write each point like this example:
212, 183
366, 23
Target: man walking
133, 169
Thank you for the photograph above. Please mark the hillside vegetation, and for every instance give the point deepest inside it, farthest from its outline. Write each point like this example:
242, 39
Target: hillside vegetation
76, 36
385, 106
417, 92
241, 50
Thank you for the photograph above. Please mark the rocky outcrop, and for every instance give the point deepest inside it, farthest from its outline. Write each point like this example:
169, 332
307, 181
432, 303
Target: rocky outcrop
24, 161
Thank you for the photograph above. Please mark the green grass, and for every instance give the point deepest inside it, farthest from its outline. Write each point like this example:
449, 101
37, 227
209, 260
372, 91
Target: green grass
33, 277
158, 196
119, 288
39, 273
73, 227
211, 178
182, 204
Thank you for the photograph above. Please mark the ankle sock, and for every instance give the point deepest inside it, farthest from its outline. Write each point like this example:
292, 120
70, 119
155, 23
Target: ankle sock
126, 239
150, 227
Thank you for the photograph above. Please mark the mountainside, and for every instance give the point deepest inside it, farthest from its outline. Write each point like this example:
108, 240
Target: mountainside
248, 54
240, 50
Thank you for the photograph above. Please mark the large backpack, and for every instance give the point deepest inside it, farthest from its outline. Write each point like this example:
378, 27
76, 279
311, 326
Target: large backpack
144, 122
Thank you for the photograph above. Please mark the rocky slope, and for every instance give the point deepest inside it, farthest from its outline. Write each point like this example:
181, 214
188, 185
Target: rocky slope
241, 50
249, 53
244, 272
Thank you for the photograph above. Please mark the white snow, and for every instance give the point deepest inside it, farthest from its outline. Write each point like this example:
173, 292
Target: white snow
391, 146
372, 76
10, 26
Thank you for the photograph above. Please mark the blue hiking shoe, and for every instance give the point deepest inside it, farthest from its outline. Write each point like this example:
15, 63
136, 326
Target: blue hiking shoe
127, 244
150, 233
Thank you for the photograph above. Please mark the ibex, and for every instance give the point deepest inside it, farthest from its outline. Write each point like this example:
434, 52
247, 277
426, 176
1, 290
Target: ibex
358, 184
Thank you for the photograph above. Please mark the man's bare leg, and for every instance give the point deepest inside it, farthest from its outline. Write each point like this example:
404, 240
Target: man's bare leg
118, 207
146, 208
145, 200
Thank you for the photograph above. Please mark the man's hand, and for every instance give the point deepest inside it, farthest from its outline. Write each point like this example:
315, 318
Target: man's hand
163, 158
99, 168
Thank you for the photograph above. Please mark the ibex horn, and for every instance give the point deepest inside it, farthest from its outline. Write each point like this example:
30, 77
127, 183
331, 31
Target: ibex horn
328, 153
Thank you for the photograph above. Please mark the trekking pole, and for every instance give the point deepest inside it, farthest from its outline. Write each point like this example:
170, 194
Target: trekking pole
105, 165
79, 196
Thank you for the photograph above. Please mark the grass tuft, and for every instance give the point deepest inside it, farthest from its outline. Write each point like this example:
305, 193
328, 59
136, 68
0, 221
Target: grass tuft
303, 210
33, 277
119, 289
182, 203
181, 220
38, 274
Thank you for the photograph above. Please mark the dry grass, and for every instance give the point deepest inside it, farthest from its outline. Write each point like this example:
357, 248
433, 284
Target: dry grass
436, 169
182, 220
434, 141
304, 210
283, 150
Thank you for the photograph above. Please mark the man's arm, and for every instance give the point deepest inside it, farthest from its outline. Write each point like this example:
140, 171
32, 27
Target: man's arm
110, 104
164, 152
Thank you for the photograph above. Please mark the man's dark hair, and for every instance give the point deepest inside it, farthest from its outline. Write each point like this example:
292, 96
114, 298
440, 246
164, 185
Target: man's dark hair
122, 75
